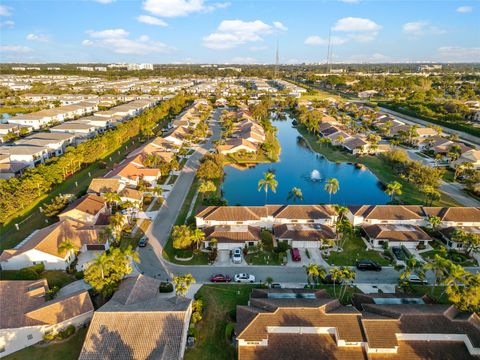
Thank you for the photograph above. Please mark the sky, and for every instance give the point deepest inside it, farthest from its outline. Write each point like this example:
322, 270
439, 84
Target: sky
239, 31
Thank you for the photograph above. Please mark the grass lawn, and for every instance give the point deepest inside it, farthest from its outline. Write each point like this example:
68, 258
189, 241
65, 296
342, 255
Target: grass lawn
354, 249
219, 301
54, 277
263, 258
70, 349
410, 193
127, 239
456, 257
449, 175
172, 179
31, 218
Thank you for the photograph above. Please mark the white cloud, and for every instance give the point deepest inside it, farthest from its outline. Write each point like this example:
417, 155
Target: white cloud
5, 10
357, 29
420, 28
278, 25
232, 33
37, 37
7, 24
174, 8
352, 24
151, 20
464, 9
458, 54
15, 49
117, 41
317, 40
257, 48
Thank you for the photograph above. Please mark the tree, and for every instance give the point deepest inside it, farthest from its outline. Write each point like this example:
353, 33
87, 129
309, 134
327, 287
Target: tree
434, 221
412, 266
182, 284
295, 194
58, 203
439, 266
111, 198
470, 240
197, 237
182, 237
393, 188
347, 277
268, 182
67, 246
108, 269
337, 276
312, 272
206, 186
116, 223
331, 187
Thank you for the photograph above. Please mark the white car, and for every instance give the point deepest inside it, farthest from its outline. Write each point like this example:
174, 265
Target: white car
415, 279
237, 256
245, 278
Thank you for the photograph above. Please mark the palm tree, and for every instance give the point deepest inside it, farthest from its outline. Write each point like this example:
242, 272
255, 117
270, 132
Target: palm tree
206, 186
197, 237
412, 267
111, 198
67, 246
116, 223
347, 277
337, 275
182, 284
295, 194
438, 265
434, 221
312, 272
267, 182
101, 263
393, 188
331, 187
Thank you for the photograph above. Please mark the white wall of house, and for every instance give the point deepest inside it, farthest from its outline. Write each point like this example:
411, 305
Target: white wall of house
33, 257
18, 338
411, 245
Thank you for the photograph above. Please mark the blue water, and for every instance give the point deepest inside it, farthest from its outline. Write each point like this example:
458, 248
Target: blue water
357, 187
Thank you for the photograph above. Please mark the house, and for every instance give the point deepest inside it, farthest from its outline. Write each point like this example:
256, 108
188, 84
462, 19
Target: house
138, 323
232, 146
101, 186
86, 209
132, 195
471, 156
82, 130
266, 216
130, 174
27, 316
308, 324
230, 237
355, 145
42, 246
178, 136
303, 236
9, 169
386, 214
56, 143
410, 236
455, 216
28, 155
449, 239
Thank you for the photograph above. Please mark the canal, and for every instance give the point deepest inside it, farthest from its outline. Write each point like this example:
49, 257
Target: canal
295, 169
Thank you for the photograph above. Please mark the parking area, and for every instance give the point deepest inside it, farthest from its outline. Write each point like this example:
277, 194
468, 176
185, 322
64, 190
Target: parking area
223, 259
314, 257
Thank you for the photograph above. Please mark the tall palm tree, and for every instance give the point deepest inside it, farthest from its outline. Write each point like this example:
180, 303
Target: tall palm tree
116, 223
101, 262
393, 188
331, 187
439, 266
295, 194
412, 267
434, 221
111, 198
312, 272
268, 182
67, 246
337, 276
347, 277
197, 237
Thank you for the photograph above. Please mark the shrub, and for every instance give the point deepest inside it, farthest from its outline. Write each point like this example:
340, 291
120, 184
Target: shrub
165, 287
184, 254
229, 329
39, 268
232, 315
281, 247
307, 253
66, 333
212, 256
79, 275
47, 337
50, 295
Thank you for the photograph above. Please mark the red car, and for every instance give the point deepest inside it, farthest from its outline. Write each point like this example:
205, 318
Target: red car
295, 254
220, 278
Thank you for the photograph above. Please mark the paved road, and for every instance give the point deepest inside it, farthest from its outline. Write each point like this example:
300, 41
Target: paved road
159, 231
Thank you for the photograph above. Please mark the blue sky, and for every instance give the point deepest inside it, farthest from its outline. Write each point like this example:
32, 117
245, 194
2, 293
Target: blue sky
238, 31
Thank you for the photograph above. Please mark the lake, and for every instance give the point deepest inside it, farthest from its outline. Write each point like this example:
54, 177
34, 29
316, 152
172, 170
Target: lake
297, 161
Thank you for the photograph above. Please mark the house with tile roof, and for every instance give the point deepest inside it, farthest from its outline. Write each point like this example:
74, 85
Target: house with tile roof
471, 156
139, 323
101, 186
309, 324
410, 236
43, 246
229, 237
386, 214
86, 209
26, 316
303, 236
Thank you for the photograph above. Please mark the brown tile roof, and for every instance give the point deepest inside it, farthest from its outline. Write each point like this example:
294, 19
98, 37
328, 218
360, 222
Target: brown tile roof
233, 234
22, 303
449, 231
234, 143
303, 232
48, 239
131, 171
393, 232
230, 213
131, 194
388, 212
90, 204
354, 143
305, 212
138, 323
421, 350
102, 185
457, 214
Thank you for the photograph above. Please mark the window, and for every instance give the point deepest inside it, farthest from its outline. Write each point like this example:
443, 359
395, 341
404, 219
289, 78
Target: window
251, 243
29, 337
239, 222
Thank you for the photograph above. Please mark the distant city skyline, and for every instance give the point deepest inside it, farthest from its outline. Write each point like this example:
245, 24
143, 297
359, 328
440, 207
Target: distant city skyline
239, 32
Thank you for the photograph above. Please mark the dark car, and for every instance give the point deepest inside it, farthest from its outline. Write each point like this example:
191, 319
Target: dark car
143, 241
328, 280
220, 278
295, 254
364, 265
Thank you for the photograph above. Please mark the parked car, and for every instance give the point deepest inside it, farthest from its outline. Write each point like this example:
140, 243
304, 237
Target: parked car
237, 256
245, 278
415, 279
143, 241
220, 278
364, 265
295, 254
328, 280
276, 286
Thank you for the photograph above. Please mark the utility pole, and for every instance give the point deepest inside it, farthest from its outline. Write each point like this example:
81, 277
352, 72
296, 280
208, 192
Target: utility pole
329, 49
277, 59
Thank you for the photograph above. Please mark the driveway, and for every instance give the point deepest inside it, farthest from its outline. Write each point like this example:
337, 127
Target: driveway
72, 288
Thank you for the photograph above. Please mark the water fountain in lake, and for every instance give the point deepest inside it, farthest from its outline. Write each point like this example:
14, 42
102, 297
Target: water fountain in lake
315, 175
